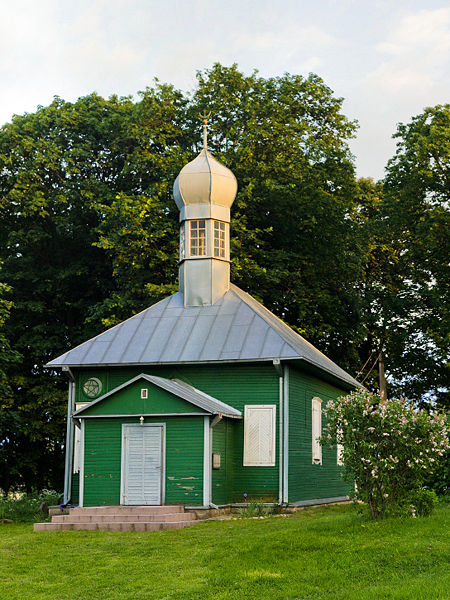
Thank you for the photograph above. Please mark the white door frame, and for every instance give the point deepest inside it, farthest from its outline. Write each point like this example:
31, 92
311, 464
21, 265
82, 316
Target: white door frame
163, 459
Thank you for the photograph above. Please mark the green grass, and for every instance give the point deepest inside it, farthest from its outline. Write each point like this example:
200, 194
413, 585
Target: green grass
317, 553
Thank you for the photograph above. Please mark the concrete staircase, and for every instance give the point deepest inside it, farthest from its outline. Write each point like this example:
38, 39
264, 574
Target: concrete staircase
121, 518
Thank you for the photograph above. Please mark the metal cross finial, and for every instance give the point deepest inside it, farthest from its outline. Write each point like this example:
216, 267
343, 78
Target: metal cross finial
205, 118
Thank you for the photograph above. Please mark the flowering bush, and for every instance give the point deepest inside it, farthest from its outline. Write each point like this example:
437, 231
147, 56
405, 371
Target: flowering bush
389, 447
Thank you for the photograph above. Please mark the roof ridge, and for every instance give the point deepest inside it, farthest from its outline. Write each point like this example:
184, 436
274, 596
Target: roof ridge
260, 310
284, 329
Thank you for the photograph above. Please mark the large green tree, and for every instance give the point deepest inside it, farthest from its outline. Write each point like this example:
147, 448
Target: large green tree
53, 166
405, 285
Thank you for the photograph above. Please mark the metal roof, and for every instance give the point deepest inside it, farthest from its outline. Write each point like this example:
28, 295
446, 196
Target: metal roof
178, 388
236, 328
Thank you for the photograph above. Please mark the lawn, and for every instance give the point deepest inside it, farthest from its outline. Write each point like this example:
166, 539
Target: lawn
326, 553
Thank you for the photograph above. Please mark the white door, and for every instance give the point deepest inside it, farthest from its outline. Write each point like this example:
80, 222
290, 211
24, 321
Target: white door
142, 464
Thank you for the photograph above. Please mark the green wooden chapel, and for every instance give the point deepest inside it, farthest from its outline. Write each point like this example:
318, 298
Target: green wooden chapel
205, 398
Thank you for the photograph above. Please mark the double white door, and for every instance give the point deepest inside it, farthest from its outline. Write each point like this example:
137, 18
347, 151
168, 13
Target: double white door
142, 464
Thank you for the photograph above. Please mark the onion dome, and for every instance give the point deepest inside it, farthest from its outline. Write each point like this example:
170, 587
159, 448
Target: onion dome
205, 181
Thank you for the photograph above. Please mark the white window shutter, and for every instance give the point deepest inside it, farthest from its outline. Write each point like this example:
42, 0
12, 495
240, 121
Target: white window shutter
77, 441
316, 430
259, 435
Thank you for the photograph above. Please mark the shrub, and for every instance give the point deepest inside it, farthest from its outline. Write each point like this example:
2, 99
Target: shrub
389, 447
20, 506
422, 502
439, 479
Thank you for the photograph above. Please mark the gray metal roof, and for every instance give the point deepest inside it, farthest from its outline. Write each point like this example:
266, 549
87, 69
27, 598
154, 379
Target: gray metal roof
236, 328
178, 388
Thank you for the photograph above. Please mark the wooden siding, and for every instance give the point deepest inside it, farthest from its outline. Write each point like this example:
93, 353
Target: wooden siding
128, 401
222, 479
184, 460
235, 384
309, 481
74, 499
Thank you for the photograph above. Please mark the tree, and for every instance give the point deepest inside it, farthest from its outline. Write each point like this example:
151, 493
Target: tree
8, 357
53, 165
406, 313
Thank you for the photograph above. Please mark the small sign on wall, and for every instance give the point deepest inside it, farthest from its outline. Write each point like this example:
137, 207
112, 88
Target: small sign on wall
215, 461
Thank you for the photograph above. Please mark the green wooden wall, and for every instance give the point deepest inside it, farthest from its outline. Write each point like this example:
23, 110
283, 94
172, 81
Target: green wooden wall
75, 497
184, 460
308, 481
235, 384
222, 479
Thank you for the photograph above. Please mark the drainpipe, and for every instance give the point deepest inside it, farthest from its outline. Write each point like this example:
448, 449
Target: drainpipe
285, 434
69, 438
279, 369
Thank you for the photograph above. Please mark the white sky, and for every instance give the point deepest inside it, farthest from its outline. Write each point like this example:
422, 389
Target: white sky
387, 58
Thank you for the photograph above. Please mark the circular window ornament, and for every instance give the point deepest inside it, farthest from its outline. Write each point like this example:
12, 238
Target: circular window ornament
92, 388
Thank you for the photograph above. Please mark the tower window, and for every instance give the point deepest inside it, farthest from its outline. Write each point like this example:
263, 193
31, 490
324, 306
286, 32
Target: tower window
182, 242
198, 238
219, 239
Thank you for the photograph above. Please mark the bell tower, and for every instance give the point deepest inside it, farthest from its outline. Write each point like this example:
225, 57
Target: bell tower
204, 192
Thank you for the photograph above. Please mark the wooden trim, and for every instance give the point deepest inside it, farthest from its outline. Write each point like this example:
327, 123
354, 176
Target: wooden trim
81, 488
138, 415
206, 462
280, 439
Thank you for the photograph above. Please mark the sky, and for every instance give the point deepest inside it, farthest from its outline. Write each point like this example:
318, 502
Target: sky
388, 59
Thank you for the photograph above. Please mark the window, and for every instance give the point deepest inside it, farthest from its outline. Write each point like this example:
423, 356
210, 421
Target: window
316, 430
198, 238
182, 237
219, 239
259, 435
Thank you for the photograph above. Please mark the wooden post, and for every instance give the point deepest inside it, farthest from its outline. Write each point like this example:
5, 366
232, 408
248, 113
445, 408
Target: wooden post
383, 390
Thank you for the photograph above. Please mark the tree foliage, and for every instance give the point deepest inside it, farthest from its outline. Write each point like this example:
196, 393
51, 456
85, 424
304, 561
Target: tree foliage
406, 279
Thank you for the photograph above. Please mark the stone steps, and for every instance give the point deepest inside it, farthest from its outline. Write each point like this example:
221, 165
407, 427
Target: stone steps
121, 518
163, 518
127, 510
115, 526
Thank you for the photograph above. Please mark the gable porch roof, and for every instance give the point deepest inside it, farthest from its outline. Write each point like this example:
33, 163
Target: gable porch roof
178, 388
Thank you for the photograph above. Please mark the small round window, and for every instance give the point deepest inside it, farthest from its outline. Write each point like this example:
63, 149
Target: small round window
92, 388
